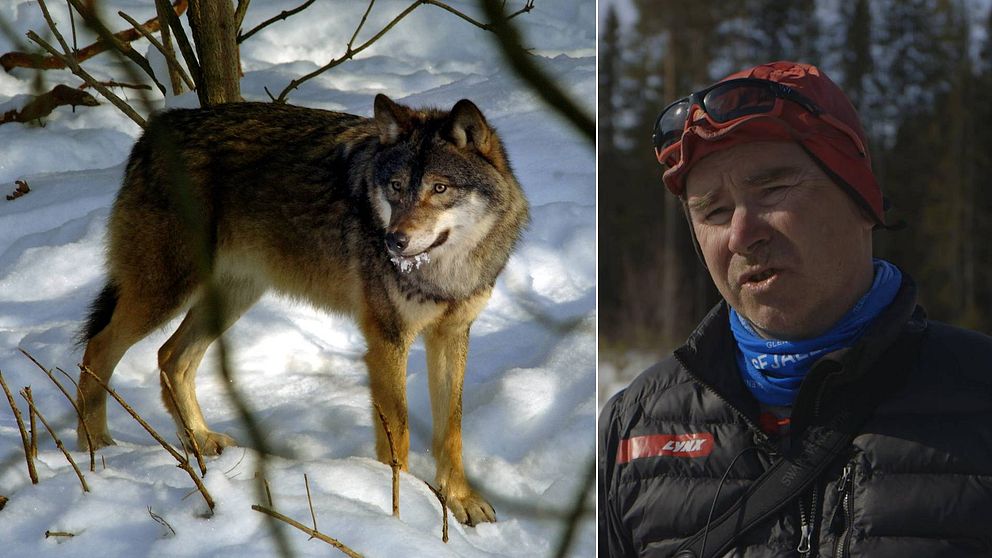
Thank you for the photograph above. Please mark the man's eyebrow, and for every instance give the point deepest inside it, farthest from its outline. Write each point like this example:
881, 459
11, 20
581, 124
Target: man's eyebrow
765, 176
701, 202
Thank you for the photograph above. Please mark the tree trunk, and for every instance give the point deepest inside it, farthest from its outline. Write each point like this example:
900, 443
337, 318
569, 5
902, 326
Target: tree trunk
214, 32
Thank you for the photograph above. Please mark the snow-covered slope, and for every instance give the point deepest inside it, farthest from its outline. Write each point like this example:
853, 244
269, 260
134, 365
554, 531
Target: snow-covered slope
530, 391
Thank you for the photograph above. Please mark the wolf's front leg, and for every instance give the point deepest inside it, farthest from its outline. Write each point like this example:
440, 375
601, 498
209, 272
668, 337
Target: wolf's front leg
447, 349
386, 361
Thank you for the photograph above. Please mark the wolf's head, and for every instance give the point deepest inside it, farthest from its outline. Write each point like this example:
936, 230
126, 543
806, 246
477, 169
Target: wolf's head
443, 190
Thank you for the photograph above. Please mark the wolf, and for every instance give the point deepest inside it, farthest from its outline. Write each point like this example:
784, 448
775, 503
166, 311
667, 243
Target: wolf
402, 221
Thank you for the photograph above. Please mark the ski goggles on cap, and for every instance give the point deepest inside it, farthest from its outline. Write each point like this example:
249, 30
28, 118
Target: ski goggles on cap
725, 103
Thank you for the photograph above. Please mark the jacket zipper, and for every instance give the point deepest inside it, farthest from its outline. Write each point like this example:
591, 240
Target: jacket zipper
844, 487
763, 438
807, 523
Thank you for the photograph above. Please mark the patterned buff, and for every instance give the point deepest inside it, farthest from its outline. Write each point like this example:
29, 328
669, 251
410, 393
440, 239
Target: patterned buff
773, 369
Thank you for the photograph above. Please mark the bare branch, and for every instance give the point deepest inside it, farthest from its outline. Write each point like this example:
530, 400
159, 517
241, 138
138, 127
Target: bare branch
79, 414
190, 438
282, 15
394, 464
181, 40
85, 76
523, 65
52, 26
183, 463
239, 13
43, 105
58, 443
170, 57
444, 511
20, 426
361, 24
313, 533
313, 514
26, 393
351, 52
94, 23
578, 508
160, 520
58, 534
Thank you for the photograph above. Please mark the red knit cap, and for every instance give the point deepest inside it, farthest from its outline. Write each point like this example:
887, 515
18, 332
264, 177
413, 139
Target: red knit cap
834, 150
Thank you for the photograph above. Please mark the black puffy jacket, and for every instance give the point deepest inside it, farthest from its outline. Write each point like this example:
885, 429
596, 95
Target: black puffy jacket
916, 481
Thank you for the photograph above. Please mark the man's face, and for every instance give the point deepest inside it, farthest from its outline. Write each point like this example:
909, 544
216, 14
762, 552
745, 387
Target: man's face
786, 247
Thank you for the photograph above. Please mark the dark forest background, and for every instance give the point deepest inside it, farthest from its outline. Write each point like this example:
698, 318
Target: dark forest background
922, 85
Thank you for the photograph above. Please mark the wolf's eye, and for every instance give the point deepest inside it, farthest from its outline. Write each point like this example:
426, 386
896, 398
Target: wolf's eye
396, 185
440, 187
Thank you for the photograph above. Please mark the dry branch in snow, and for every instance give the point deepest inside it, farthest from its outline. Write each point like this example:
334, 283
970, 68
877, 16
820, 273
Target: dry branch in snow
20, 426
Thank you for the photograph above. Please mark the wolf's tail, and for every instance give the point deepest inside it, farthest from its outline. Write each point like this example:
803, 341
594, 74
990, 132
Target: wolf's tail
101, 311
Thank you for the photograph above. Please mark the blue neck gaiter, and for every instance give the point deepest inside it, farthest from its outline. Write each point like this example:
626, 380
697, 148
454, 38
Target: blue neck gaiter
774, 369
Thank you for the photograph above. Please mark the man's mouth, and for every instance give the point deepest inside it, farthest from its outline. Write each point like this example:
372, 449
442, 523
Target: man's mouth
758, 278
761, 276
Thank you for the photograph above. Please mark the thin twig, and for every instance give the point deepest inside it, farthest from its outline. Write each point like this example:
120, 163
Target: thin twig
244, 451
524, 66
313, 533
20, 426
239, 13
58, 534
268, 492
94, 23
281, 16
66, 374
85, 76
183, 463
313, 514
79, 414
578, 508
528, 6
113, 83
444, 511
181, 40
161, 520
361, 24
394, 464
34, 427
191, 439
351, 52
170, 57
58, 442
53, 27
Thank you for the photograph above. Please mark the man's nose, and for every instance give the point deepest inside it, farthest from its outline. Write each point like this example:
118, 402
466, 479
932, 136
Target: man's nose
748, 230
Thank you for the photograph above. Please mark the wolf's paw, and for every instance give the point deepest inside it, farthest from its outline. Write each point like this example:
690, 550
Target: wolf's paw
213, 443
470, 508
100, 439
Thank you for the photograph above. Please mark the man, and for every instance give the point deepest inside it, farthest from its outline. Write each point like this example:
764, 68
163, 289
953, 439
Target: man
815, 411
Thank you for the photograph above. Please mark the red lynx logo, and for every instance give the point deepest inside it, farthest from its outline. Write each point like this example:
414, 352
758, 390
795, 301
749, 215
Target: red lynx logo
672, 445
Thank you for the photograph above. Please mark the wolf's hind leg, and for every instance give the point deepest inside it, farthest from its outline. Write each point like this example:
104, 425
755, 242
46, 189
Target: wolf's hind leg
180, 357
132, 318
447, 351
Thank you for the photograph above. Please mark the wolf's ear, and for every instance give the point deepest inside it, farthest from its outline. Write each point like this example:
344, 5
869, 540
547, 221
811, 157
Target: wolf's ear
466, 125
391, 118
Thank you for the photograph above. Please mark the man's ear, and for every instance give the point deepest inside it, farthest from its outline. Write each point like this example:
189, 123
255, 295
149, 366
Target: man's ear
391, 118
467, 127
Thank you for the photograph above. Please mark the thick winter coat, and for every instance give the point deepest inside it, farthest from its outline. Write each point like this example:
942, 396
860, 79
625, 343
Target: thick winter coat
916, 481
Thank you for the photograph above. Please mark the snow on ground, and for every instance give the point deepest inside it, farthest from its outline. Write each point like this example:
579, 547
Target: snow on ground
530, 391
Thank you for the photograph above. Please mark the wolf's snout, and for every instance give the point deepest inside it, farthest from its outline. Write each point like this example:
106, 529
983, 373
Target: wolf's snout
397, 242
